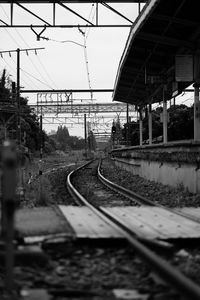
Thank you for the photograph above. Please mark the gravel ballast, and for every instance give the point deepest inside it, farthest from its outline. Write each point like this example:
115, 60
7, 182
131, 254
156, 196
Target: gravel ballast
157, 192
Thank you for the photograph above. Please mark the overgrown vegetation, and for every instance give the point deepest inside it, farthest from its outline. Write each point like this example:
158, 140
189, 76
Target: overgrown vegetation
29, 132
180, 125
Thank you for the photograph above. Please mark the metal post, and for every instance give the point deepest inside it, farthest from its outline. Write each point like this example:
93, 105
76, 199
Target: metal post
141, 126
41, 138
97, 14
85, 133
196, 112
164, 121
13, 92
174, 102
127, 122
18, 98
139, 7
150, 123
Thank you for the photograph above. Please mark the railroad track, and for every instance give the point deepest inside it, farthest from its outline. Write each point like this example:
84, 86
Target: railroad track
128, 197
176, 279
140, 200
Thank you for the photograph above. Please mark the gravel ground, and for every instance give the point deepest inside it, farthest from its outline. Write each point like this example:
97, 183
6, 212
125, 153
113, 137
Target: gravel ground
157, 192
85, 272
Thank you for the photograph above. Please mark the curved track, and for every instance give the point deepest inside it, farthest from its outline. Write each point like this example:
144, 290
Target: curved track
176, 279
140, 200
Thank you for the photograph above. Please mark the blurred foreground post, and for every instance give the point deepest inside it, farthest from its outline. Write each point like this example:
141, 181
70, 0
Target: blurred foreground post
9, 183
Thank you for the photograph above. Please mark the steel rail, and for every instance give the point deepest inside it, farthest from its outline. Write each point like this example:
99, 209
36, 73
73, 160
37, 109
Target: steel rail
123, 191
140, 199
175, 278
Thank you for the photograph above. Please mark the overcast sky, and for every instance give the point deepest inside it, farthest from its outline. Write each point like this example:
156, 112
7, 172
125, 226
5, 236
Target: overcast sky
63, 65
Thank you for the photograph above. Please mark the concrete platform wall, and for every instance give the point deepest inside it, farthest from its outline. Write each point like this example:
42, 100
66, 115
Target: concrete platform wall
174, 165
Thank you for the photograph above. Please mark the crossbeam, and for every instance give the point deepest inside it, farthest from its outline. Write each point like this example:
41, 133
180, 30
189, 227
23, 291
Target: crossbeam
99, 123
72, 1
51, 14
68, 91
81, 108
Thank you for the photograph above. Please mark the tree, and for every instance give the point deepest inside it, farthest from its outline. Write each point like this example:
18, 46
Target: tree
62, 137
180, 126
30, 131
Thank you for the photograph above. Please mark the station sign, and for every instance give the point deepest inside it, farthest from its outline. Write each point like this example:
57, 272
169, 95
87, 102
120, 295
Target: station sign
184, 68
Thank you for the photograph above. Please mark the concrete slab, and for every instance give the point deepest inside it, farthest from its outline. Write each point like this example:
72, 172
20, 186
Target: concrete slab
41, 221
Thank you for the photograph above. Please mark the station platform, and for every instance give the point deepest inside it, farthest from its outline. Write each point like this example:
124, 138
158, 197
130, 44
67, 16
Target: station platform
81, 223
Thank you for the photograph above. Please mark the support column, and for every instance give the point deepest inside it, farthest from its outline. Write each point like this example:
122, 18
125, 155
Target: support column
18, 98
196, 112
141, 126
127, 122
164, 121
85, 132
150, 124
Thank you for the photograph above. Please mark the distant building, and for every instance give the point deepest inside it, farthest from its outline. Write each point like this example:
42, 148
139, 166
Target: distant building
52, 132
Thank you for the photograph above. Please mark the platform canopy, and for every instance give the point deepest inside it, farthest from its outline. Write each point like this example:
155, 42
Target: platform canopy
162, 32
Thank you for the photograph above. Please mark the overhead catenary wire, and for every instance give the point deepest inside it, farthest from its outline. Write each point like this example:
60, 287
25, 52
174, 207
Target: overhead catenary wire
25, 74
35, 67
92, 19
85, 50
14, 70
35, 77
62, 41
39, 60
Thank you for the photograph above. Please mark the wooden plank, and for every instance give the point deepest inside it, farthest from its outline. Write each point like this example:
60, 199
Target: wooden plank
87, 224
140, 221
189, 227
75, 218
146, 216
191, 211
153, 222
165, 224
132, 222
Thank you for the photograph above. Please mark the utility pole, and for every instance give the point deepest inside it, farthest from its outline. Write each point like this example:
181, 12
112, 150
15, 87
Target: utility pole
18, 51
18, 114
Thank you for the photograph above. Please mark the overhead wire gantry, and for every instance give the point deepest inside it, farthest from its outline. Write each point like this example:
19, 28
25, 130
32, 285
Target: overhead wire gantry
27, 7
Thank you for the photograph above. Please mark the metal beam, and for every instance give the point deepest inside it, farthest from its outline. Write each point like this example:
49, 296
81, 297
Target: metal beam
72, 11
95, 124
165, 40
117, 12
53, 23
65, 26
30, 12
69, 91
175, 20
80, 108
73, 1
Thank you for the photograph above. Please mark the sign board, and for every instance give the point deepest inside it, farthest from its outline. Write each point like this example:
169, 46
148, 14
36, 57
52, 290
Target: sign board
184, 68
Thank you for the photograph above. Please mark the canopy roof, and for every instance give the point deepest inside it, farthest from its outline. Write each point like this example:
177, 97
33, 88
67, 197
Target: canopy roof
163, 30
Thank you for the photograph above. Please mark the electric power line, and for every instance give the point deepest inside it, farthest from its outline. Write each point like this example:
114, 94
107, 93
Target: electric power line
14, 70
28, 46
35, 78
